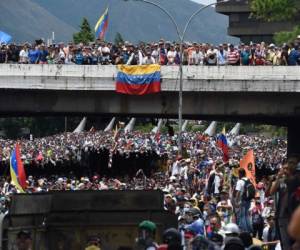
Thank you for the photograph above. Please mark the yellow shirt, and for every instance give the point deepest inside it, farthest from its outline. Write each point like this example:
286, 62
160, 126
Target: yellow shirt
92, 248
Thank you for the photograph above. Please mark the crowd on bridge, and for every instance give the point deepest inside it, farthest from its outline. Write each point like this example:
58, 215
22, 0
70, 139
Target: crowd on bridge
216, 204
161, 52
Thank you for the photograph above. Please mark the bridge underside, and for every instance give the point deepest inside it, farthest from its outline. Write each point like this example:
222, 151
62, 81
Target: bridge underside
271, 108
282, 109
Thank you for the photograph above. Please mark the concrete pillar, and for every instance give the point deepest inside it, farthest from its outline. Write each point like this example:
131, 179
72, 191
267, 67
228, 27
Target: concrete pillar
294, 138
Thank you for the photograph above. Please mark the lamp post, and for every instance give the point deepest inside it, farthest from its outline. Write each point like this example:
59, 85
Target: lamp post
181, 36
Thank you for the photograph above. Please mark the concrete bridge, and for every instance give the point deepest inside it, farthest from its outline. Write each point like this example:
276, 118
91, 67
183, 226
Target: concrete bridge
256, 94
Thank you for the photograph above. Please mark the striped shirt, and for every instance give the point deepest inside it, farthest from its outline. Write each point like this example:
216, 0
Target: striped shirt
233, 57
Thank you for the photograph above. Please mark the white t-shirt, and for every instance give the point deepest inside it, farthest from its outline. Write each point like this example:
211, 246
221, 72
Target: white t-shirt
155, 55
197, 58
183, 172
240, 185
171, 56
217, 183
23, 56
105, 50
147, 60
62, 54
176, 168
265, 234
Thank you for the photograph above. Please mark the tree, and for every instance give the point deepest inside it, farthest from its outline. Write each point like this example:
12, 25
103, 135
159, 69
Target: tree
274, 10
85, 34
287, 36
118, 38
277, 10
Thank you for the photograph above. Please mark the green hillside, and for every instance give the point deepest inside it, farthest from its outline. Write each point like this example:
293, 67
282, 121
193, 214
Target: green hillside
134, 20
26, 21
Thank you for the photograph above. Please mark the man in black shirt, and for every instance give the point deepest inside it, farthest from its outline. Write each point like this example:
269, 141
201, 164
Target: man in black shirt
2, 54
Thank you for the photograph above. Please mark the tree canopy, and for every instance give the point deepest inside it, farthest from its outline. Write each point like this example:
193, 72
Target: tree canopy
119, 39
277, 10
274, 10
85, 34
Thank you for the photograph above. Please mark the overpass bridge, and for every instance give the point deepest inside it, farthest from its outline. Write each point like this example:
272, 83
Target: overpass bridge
263, 94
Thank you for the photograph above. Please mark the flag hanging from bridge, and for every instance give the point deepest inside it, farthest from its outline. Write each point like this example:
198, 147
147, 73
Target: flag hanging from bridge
102, 25
138, 79
17, 172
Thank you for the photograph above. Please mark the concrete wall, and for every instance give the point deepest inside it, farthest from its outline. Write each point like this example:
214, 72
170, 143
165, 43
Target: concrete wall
196, 78
263, 94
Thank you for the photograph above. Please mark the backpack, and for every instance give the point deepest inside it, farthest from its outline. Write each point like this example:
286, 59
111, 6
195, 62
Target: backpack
211, 184
249, 191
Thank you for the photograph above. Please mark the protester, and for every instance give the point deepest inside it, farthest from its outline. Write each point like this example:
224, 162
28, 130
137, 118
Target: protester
163, 52
146, 237
242, 202
294, 229
270, 234
199, 187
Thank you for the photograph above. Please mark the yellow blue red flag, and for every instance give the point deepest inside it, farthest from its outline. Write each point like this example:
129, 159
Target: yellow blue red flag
102, 25
17, 172
138, 79
223, 144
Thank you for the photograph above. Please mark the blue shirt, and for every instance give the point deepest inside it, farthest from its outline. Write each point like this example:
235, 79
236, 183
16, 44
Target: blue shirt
33, 55
294, 57
43, 55
197, 227
245, 56
79, 58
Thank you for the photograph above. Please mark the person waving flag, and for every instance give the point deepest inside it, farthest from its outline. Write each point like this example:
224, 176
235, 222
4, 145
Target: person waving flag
102, 25
223, 144
17, 172
4, 37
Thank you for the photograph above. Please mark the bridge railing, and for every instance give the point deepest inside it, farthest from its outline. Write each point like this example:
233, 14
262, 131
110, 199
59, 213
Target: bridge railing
196, 78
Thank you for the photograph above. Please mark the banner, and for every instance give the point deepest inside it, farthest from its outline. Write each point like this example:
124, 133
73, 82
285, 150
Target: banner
248, 163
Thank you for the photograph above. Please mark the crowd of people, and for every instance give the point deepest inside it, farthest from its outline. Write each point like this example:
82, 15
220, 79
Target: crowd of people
84, 148
216, 204
161, 52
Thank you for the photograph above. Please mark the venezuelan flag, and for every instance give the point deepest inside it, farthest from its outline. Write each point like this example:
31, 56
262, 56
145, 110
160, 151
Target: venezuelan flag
223, 144
138, 79
17, 172
101, 25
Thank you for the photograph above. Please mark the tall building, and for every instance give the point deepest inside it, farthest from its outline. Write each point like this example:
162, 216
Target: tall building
247, 28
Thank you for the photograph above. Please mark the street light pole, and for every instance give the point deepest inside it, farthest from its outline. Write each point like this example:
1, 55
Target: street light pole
181, 39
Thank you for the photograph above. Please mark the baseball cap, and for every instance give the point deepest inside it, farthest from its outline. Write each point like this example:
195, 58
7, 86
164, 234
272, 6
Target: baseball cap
231, 228
148, 225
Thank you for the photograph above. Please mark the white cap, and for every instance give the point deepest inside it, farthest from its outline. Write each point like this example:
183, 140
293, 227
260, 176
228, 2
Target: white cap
231, 228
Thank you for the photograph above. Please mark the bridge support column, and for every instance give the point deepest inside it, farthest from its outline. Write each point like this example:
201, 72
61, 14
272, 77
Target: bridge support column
294, 138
